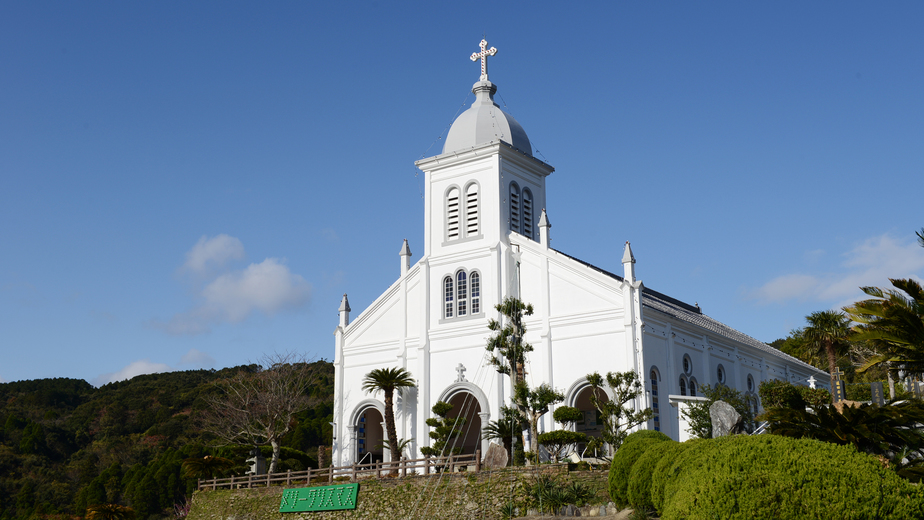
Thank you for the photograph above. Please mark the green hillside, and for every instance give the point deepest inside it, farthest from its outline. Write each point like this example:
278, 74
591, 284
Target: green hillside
65, 445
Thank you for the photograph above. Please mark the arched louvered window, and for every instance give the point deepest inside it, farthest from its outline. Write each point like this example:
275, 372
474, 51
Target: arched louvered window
527, 213
448, 296
475, 282
514, 207
452, 214
471, 210
462, 292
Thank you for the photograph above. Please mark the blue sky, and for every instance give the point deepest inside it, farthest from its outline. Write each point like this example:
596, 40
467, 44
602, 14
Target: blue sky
188, 185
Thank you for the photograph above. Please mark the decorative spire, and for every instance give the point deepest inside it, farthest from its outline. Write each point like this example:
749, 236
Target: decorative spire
405, 257
344, 312
544, 226
628, 264
484, 58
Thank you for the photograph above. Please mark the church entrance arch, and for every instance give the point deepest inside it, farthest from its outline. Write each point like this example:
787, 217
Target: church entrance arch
368, 432
468, 401
579, 397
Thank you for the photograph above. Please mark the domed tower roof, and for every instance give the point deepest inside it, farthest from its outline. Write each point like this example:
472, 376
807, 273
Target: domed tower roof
484, 121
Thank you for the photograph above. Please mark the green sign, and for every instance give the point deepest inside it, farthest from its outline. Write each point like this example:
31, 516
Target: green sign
321, 498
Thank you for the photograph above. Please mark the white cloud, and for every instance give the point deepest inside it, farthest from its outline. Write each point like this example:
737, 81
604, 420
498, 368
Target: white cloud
212, 253
197, 359
870, 263
135, 368
268, 287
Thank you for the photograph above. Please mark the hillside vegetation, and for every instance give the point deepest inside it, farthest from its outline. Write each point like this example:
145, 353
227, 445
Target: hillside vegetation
65, 445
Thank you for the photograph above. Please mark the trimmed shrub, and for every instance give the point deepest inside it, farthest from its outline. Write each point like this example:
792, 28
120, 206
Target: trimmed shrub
632, 448
664, 478
645, 434
768, 476
779, 393
640, 477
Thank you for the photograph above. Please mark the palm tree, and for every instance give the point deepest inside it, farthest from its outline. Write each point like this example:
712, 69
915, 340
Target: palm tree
893, 323
387, 380
827, 332
205, 467
110, 512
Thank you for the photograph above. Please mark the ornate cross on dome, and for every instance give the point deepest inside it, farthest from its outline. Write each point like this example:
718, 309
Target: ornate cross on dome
484, 58
461, 371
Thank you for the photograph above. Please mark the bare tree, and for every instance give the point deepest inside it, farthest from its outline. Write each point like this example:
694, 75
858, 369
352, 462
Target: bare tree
257, 408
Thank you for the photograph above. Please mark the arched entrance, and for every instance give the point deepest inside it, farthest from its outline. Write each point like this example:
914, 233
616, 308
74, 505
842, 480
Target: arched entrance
591, 424
464, 404
369, 436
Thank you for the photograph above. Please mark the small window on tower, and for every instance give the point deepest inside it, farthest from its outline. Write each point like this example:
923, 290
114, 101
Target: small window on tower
471, 210
462, 292
476, 292
527, 213
514, 207
448, 296
452, 214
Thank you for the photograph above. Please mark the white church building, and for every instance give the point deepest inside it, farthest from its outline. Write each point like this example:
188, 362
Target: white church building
487, 238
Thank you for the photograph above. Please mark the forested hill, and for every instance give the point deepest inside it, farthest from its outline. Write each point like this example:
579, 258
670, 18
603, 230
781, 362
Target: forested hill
65, 445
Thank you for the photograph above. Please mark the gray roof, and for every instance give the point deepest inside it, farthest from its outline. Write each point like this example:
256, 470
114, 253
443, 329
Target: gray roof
483, 122
693, 315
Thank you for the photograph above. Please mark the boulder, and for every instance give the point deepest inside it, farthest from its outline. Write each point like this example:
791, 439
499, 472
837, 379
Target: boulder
725, 420
496, 457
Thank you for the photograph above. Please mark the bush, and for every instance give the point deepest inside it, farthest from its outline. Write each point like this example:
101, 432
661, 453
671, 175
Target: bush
640, 477
697, 412
779, 393
632, 448
768, 476
663, 478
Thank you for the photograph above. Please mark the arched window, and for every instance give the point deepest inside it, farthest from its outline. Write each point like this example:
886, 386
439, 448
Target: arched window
452, 214
683, 385
692, 387
656, 417
527, 213
471, 210
448, 293
462, 292
475, 281
514, 207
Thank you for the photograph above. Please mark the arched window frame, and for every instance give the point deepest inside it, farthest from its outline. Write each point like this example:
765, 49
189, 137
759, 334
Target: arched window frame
472, 212
683, 385
692, 386
462, 294
452, 208
654, 377
514, 202
528, 219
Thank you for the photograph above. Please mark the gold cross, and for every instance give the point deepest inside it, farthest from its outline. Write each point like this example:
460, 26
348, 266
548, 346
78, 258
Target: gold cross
484, 58
838, 373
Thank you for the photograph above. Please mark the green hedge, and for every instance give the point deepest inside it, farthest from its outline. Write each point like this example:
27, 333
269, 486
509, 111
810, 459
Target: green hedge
632, 448
640, 477
664, 480
768, 476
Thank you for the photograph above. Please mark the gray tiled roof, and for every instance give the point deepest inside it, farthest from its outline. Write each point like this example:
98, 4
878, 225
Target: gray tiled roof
693, 315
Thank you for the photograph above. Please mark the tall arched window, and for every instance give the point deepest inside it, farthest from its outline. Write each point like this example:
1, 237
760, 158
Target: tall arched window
514, 207
683, 385
471, 210
452, 214
462, 292
475, 282
692, 387
448, 297
527, 213
656, 418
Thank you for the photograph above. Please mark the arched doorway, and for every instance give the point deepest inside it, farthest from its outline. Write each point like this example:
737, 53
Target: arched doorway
591, 424
464, 404
369, 436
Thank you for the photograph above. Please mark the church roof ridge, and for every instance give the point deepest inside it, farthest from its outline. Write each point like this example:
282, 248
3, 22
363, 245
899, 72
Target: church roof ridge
694, 315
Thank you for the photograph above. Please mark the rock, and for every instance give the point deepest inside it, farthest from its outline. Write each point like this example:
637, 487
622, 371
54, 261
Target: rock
725, 420
496, 457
